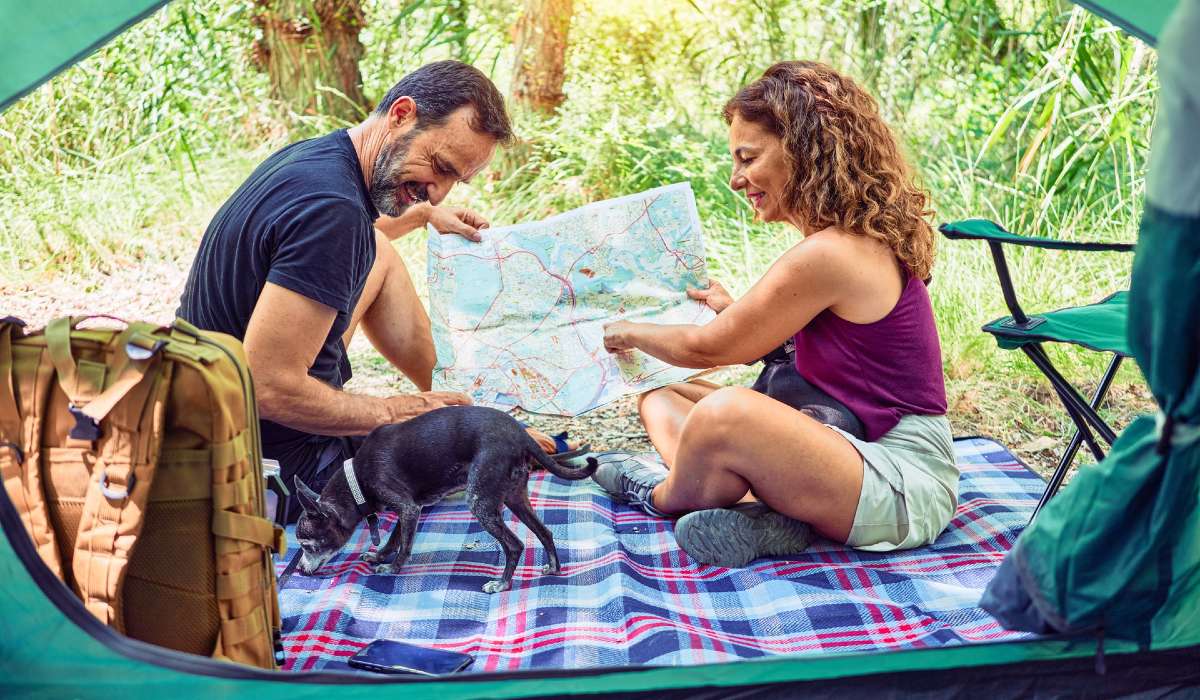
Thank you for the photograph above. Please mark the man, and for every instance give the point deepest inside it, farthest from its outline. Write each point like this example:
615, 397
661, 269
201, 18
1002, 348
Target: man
293, 264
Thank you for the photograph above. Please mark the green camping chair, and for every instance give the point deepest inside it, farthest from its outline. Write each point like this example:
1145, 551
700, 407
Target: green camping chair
1099, 327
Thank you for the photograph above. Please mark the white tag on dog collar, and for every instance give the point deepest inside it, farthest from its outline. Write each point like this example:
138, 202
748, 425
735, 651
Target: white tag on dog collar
352, 481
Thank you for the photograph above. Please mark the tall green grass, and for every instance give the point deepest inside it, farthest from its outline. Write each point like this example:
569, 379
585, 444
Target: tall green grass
1045, 131
1016, 110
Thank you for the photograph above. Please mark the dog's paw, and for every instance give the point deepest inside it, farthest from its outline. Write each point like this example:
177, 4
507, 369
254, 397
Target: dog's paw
552, 570
496, 586
370, 557
384, 568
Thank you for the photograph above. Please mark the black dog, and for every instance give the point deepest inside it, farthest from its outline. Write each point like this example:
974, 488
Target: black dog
405, 466
780, 380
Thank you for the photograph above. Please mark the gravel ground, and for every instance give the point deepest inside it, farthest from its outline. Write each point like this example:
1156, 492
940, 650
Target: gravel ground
1022, 413
151, 293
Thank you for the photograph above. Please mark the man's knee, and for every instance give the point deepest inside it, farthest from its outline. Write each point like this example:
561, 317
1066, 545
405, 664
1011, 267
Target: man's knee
386, 257
394, 289
382, 267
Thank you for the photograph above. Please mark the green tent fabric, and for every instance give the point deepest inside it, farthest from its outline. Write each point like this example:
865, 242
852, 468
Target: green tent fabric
53, 647
1099, 326
1144, 19
42, 38
1119, 551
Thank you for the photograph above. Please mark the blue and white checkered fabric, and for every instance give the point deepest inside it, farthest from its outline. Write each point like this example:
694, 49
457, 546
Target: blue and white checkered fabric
628, 595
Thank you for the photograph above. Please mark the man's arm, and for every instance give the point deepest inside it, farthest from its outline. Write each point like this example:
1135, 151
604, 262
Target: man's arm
411, 219
284, 336
463, 222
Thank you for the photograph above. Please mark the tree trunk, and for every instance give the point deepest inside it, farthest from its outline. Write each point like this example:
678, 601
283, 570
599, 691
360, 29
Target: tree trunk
310, 50
541, 47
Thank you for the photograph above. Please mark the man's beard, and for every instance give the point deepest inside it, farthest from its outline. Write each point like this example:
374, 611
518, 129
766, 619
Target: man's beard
386, 182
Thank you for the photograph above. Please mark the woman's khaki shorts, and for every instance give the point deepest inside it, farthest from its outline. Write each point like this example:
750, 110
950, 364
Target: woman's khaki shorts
910, 485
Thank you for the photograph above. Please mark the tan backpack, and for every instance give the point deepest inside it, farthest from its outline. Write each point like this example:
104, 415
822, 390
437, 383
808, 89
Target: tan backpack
133, 457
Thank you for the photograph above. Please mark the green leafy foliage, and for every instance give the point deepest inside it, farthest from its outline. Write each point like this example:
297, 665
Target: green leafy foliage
1030, 112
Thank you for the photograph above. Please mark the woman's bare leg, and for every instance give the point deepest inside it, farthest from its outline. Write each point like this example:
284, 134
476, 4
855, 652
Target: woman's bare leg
736, 439
663, 412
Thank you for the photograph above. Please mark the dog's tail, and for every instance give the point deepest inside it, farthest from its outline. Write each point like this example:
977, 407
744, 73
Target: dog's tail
557, 469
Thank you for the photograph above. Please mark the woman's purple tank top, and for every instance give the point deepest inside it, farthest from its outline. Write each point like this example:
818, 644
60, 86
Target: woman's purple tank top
882, 371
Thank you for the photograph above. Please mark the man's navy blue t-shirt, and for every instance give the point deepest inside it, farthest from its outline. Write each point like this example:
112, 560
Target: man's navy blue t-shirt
303, 220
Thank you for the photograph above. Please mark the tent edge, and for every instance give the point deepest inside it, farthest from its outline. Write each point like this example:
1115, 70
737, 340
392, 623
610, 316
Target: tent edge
155, 6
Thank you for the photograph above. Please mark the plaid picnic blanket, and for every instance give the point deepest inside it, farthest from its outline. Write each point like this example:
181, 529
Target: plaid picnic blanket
628, 595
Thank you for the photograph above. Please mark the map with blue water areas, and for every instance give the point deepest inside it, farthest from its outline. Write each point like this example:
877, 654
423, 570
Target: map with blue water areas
518, 318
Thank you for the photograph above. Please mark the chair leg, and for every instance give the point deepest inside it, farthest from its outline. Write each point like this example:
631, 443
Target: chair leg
1073, 412
1068, 457
1076, 404
1097, 398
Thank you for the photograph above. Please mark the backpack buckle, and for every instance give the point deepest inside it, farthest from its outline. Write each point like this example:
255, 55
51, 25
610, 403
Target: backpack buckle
113, 494
86, 427
136, 348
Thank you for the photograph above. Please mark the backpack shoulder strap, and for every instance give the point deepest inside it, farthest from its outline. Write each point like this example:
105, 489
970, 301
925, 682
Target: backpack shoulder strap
24, 383
117, 495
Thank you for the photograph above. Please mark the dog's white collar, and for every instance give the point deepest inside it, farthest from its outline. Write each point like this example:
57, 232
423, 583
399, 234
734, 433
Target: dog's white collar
352, 481
360, 502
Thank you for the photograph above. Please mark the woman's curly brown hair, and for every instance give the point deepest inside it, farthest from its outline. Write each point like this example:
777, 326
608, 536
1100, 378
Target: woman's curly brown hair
846, 169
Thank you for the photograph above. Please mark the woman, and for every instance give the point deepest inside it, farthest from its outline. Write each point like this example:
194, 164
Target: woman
811, 150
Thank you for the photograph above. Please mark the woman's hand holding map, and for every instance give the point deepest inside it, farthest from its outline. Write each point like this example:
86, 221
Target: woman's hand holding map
716, 296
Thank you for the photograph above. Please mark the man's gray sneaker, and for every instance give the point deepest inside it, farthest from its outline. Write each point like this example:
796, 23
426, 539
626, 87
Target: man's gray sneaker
630, 479
734, 537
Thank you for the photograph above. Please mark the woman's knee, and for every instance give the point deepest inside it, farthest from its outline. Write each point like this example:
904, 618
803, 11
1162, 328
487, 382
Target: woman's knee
722, 415
657, 401
652, 398
730, 403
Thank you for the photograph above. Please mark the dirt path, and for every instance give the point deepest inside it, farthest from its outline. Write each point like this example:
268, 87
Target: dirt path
151, 293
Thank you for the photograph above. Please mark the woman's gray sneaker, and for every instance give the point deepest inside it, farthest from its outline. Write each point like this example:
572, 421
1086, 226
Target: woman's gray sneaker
734, 537
630, 479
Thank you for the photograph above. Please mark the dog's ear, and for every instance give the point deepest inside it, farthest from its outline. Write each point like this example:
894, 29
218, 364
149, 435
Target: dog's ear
308, 497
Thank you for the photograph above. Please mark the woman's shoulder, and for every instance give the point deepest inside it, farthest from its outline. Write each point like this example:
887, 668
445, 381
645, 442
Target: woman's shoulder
863, 274
837, 248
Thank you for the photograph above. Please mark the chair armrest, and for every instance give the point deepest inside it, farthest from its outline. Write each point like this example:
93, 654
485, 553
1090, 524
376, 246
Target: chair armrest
982, 229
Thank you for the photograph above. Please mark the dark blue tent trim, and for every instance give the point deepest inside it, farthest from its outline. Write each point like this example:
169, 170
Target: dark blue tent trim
1142, 675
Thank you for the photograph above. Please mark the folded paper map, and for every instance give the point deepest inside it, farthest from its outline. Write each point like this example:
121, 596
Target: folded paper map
518, 318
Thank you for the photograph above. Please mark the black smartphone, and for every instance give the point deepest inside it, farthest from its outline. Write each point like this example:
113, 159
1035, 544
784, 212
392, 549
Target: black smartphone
390, 656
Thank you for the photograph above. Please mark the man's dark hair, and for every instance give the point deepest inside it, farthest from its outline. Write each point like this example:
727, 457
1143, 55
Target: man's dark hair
442, 87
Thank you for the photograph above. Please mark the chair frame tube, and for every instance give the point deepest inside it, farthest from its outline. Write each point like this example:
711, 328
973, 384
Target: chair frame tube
1006, 285
1068, 456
